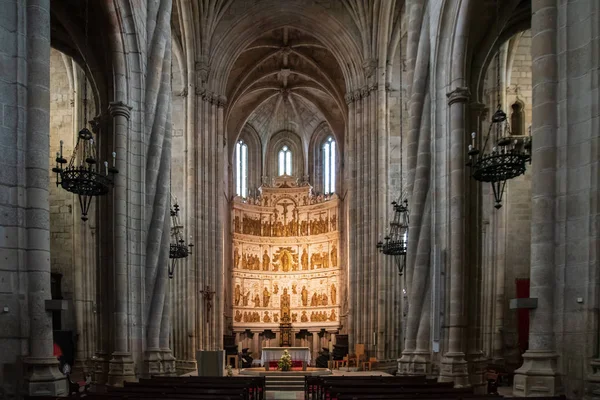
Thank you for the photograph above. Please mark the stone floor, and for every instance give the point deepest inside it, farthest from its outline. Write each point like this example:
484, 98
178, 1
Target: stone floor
300, 395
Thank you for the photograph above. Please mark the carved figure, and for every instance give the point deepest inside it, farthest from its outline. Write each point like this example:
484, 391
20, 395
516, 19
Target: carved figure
245, 299
266, 297
324, 299
285, 303
332, 317
285, 262
236, 224
333, 294
266, 261
333, 222
294, 317
304, 260
275, 288
266, 318
276, 317
294, 289
236, 258
304, 294
237, 295
314, 301
244, 261
333, 256
303, 318
256, 301
238, 316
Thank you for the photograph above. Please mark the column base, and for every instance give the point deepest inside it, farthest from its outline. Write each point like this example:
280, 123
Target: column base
592, 390
153, 364
415, 363
538, 376
121, 369
169, 363
453, 368
100, 365
477, 366
42, 377
186, 366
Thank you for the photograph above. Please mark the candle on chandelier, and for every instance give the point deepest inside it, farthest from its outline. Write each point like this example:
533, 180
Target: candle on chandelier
61, 149
106, 167
114, 154
473, 138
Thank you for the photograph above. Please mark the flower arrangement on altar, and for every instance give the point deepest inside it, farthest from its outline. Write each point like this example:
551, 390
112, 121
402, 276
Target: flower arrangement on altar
285, 362
229, 370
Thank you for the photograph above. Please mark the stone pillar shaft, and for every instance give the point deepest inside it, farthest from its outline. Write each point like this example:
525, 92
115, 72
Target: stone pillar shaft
121, 364
43, 377
538, 375
454, 365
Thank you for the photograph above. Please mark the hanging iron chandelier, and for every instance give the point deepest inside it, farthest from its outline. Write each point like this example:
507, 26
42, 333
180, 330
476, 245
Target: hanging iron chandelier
509, 153
178, 249
84, 175
396, 241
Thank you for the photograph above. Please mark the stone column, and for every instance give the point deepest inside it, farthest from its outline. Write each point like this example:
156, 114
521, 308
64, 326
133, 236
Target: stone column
538, 376
454, 366
475, 356
42, 375
121, 366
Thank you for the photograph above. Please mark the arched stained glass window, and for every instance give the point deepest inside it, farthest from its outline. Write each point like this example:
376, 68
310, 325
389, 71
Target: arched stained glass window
329, 165
285, 161
241, 169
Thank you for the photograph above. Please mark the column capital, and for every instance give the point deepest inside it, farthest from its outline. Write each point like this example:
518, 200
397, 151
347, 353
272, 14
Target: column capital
118, 108
460, 94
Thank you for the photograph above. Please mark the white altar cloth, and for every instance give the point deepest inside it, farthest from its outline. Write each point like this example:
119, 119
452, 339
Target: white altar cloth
275, 353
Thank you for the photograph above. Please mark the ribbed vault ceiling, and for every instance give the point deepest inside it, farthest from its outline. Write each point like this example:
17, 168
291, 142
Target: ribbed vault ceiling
285, 80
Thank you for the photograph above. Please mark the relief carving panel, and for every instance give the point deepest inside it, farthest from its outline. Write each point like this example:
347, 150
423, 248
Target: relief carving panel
285, 259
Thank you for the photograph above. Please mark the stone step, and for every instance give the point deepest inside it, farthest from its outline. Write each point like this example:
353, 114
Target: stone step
284, 383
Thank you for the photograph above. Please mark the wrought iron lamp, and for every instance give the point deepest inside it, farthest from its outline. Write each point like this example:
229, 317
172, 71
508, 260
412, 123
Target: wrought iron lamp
84, 176
507, 159
178, 248
396, 241
509, 153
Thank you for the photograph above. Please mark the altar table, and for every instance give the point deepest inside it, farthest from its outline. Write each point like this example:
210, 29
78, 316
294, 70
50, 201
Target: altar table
275, 353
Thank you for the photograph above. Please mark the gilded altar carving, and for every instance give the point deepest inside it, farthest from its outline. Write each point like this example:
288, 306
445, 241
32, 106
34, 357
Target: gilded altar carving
266, 297
285, 259
304, 296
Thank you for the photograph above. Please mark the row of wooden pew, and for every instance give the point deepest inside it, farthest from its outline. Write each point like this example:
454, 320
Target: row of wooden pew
183, 388
389, 388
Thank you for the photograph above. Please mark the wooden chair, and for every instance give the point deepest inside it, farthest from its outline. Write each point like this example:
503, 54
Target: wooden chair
372, 360
358, 356
341, 363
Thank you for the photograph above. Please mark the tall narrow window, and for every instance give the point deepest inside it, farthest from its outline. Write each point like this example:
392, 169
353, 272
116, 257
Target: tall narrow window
241, 169
329, 165
285, 161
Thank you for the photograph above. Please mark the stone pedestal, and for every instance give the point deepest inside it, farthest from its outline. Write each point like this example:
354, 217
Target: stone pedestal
153, 362
169, 363
185, 366
100, 364
454, 369
477, 364
415, 363
121, 368
592, 390
43, 378
538, 375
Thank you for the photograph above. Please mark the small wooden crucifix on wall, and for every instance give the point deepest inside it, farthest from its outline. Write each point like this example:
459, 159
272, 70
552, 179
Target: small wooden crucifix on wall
207, 295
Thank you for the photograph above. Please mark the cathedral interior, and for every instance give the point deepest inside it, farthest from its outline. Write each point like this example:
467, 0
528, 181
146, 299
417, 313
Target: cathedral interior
180, 176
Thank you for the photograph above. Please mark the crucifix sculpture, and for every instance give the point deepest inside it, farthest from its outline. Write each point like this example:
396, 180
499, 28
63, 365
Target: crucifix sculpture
207, 295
